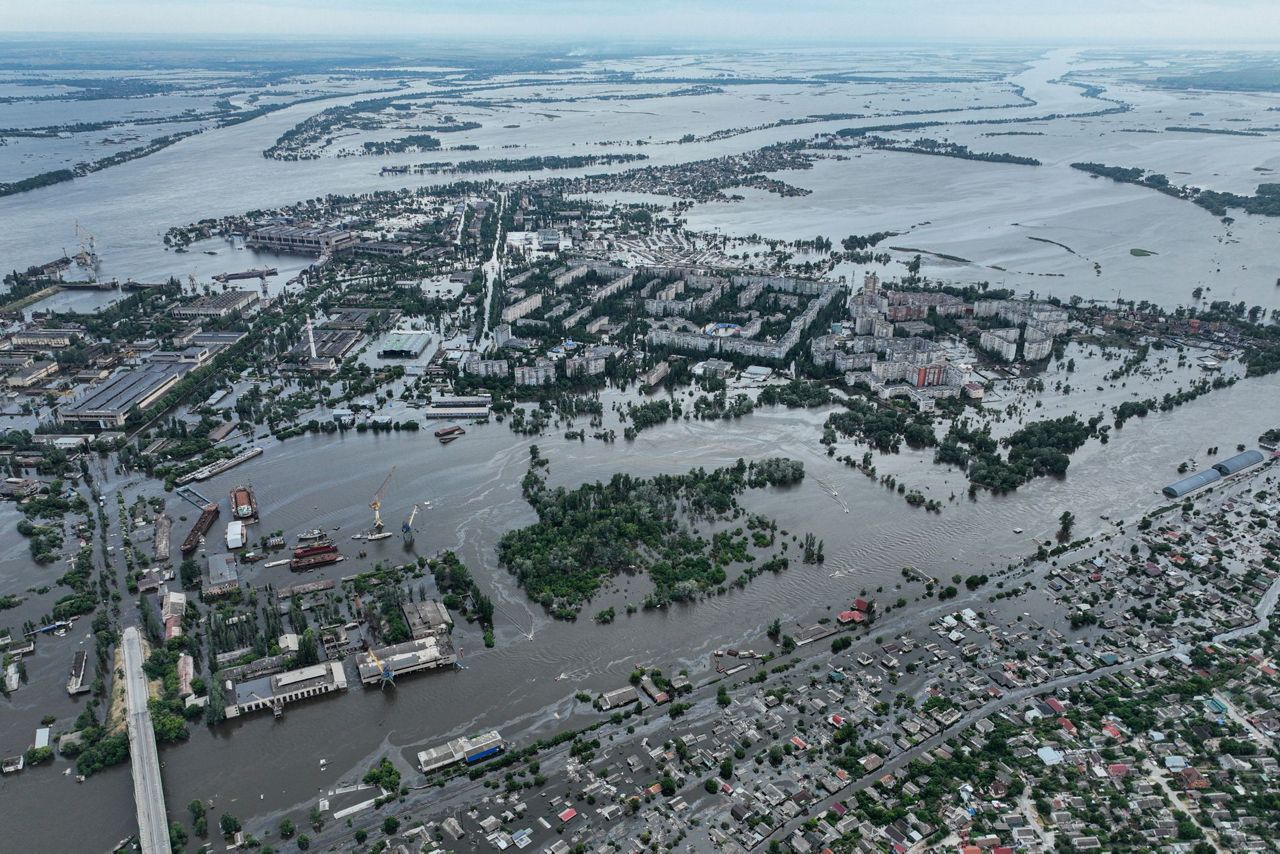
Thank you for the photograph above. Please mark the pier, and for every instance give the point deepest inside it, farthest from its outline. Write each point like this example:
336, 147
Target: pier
144, 759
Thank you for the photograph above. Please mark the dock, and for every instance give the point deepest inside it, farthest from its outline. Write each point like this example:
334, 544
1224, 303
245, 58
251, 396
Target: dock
79, 666
160, 540
214, 469
246, 274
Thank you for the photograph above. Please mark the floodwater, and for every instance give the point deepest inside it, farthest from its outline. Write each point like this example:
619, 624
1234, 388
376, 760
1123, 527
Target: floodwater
983, 212
979, 211
259, 765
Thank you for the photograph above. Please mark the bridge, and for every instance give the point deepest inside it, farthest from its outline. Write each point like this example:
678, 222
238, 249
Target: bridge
144, 759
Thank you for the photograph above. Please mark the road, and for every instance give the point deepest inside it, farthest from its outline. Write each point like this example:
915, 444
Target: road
492, 271
144, 759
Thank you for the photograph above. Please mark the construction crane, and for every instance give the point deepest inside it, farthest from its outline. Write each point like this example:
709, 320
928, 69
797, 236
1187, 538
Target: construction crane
406, 530
376, 503
386, 676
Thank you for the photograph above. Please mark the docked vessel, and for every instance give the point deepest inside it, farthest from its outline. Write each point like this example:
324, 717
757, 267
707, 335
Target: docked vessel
244, 504
315, 549
313, 534
207, 517
302, 564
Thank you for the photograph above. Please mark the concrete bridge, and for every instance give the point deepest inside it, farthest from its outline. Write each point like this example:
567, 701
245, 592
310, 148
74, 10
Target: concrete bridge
144, 759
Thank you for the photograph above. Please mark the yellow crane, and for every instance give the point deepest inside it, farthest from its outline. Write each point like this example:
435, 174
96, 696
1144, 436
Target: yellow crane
386, 676
376, 503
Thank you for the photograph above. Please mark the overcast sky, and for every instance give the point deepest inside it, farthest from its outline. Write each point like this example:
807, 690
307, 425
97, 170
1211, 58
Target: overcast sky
679, 21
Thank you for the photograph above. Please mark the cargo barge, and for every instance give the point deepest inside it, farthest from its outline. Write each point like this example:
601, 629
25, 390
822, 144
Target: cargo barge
315, 549
208, 516
449, 432
244, 504
206, 472
302, 564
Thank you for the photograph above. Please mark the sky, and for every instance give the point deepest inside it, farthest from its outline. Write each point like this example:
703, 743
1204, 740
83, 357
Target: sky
1188, 22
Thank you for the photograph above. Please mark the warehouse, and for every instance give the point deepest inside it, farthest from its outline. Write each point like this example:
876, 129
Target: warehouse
1191, 484
1238, 463
425, 653
273, 692
404, 345
217, 305
108, 405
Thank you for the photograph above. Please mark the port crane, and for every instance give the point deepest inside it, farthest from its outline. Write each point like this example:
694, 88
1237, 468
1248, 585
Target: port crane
376, 503
386, 676
406, 530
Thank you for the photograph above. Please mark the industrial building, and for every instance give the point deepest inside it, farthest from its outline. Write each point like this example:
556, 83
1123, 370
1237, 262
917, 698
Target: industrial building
1239, 462
45, 339
425, 653
455, 412
1200, 479
427, 619
275, 691
462, 401
301, 240
471, 750
217, 305
107, 406
404, 345
1219, 470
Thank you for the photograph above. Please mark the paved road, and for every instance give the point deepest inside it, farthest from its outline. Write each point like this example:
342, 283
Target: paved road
144, 760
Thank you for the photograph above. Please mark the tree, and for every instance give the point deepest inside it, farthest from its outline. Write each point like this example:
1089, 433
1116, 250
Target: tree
390, 825
287, 829
308, 648
1067, 521
722, 696
189, 572
229, 824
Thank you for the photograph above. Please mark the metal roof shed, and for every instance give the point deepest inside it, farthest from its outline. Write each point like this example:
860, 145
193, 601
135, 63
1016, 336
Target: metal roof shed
1192, 483
1239, 462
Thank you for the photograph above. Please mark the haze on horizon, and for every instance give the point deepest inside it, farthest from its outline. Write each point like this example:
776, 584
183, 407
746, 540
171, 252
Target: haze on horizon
1188, 22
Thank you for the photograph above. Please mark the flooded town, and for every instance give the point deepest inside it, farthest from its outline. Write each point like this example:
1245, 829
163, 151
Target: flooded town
794, 449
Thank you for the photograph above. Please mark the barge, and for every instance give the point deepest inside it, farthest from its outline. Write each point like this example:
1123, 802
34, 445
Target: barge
208, 516
303, 564
449, 432
244, 504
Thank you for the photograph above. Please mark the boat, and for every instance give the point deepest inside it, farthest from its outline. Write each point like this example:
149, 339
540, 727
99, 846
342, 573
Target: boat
315, 549
1017, 530
252, 557
455, 430
302, 564
444, 440
207, 517
313, 534
372, 535
244, 504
